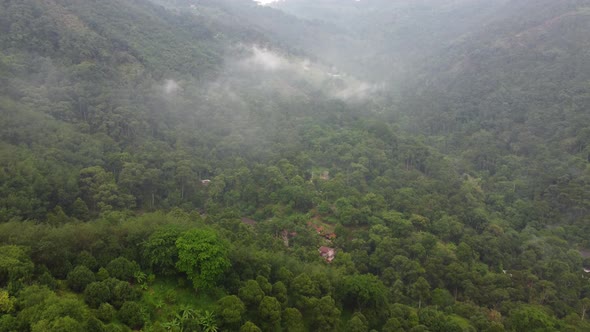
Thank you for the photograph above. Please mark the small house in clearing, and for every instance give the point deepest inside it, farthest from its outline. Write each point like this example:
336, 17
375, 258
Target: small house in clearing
328, 253
205, 182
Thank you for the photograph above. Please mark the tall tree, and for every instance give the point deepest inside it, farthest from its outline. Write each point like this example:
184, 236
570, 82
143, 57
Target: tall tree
202, 255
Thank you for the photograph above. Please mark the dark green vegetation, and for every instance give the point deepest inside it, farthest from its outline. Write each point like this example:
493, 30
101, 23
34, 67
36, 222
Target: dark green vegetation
453, 171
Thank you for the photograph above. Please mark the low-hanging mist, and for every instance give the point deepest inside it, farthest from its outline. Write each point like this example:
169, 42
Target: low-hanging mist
218, 165
284, 74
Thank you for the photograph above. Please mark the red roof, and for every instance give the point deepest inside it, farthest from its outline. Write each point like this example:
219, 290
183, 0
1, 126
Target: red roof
325, 250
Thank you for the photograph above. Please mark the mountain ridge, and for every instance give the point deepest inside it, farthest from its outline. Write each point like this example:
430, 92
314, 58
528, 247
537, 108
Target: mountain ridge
176, 164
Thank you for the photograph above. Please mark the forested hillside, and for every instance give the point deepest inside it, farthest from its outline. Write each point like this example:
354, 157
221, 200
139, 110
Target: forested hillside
217, 165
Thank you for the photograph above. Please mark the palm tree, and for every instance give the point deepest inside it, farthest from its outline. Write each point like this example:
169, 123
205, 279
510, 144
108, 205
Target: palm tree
140, 277
207, 322
173, 325
159, 304
187, 312
185, 315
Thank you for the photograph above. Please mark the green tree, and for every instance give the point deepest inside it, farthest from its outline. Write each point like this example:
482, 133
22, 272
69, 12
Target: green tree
105, 312
6, 302
79, 278
392, 325
202, 255
85, 258
230, 309
279, 291
293, 320
100, 192
364, 290
102, 274
160, 252
130, 314
62, 307
61, 324
303, 289
97, 293
420, 290
250, 327
80, 210
531, 318
122, 268
45, 311
208, 322
8, 323
48, 280
358, 323
95, 325
15, 264
251, 293
269, 312
285, 275
122, 291
325, 316
139, 182
57, 216
442, 298
264, 284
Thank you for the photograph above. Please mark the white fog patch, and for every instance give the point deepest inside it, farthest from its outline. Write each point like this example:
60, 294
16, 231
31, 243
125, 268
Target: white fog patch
306, 65
266, 59
170, 87
356, 90
352, 89
281, 72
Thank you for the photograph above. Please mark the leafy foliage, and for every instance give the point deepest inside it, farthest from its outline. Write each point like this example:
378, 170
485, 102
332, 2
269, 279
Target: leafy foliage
202, 255
219, 142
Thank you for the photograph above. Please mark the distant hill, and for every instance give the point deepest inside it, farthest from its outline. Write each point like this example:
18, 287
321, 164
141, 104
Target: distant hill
184, 164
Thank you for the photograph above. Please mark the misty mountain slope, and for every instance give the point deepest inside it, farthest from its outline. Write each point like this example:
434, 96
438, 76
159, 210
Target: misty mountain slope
491, 83
214, 79
314, 40
518, 88
549, 42
101, 32
394, 38
113, 56
163, 92
533, 71
87, 60
322, 165
468, 51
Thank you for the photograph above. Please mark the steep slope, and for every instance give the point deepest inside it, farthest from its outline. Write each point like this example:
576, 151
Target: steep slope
492, 83
128, 104
79, 31
390, 39
177, 164
518, 88
85, 81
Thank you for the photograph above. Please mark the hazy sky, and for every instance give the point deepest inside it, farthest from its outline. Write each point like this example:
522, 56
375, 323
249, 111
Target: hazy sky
264, 2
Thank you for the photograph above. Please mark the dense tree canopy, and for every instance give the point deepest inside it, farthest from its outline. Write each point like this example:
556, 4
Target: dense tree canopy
202, 255
176, 165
